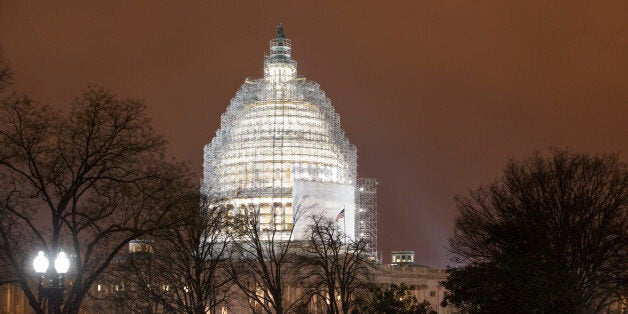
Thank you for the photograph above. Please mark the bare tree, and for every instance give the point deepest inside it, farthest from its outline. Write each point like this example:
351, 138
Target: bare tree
335, 268
86, 183
186, 269
549, 236
263, 266
17, 240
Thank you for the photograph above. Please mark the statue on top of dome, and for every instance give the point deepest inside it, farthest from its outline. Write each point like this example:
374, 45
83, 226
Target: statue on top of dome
280, 34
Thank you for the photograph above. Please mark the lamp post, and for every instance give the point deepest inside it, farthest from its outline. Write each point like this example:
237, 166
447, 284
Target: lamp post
53, 291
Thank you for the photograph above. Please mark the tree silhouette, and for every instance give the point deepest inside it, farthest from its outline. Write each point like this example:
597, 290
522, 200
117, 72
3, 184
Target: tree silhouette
334, 268
548, 236
86, 182
263, 264
182, 269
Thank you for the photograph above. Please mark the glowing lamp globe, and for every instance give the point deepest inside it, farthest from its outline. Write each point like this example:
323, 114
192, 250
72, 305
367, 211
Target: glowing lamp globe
62, 263
41, 262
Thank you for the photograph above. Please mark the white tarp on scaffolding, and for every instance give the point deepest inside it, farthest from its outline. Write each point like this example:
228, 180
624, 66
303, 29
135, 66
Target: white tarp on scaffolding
326, 198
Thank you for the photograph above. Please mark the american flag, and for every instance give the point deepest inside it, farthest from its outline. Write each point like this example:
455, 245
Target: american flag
341, 215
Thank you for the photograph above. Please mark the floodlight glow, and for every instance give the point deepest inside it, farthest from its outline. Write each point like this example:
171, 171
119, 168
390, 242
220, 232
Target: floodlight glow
278, 129
279, 140
41, 262
62, 263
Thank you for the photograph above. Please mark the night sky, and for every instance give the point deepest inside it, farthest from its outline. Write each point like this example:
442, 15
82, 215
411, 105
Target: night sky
436, 95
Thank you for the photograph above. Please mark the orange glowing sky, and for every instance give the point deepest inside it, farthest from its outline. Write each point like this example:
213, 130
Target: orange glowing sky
436, 95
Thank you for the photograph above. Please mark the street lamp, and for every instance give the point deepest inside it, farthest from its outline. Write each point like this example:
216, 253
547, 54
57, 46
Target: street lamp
53, 293
62, 263
40, 263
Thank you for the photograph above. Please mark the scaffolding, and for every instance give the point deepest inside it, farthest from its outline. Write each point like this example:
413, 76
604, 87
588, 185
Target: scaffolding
277, 129
366, 213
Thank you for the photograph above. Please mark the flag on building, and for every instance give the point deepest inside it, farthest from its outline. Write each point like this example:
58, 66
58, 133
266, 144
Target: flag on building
341, 215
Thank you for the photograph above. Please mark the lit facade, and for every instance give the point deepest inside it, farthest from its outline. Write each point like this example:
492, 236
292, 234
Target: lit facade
402, 257
281, 152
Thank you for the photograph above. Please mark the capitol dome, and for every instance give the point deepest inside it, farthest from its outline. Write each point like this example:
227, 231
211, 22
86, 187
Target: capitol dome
280, 143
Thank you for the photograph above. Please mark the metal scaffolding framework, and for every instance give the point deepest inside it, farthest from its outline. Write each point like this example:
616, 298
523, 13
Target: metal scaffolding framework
366, 213
277, 130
